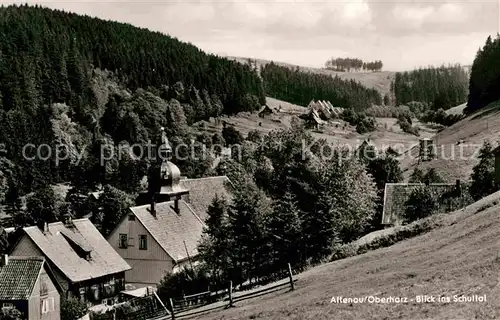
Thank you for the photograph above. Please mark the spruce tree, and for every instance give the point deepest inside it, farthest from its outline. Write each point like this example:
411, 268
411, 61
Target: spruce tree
285, 232
215, 245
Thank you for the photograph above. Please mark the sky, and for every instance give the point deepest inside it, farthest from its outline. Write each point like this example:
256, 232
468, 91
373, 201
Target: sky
403, 34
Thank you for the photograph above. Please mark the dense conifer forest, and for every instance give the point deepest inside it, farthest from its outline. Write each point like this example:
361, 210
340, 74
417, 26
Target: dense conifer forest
52, 53
485, 76
301, 87
440, 88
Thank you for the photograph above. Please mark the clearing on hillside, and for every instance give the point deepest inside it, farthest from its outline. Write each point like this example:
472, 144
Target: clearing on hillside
388, 132
380, 81
457, 145
459, 259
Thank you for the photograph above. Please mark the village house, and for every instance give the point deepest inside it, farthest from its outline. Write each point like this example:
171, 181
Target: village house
266, 111
28, 285
84, 264
313, 120
162, 234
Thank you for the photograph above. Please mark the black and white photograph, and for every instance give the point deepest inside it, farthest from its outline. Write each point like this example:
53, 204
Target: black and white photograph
249, 159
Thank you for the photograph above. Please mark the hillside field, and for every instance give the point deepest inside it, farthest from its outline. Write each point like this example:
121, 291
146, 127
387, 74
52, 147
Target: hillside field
459, 258
387, 134
380, 81
457, 145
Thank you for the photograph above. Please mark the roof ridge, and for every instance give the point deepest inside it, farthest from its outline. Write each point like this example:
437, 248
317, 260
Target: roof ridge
34, 258
205, 178
194, 213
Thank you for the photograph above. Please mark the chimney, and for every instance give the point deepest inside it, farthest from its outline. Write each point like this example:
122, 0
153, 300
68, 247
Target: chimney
152, 209
4, 261
68, 221
176, 205
45, 227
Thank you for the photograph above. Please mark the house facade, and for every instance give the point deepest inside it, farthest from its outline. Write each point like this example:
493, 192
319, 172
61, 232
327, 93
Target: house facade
85, 266
161, 235
28, 284
266, 111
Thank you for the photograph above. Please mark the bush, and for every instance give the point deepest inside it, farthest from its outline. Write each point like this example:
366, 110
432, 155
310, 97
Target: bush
440, 117
185, 282
399, 234
231, 136
420, 204
366, 125
406, 126
72, 309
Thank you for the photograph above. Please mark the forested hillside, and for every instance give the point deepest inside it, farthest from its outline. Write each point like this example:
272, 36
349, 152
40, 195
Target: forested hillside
51, 54
301, 87
53, 91
440, 88
485, 76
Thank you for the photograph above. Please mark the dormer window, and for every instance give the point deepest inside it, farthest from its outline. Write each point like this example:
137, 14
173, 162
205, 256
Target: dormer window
77, 244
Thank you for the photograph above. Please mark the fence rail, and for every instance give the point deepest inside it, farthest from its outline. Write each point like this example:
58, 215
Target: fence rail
190, 306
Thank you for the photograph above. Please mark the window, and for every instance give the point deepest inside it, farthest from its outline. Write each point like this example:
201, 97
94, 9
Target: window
131, 218
8, 305
143, 242
47, 305
82, 294
123, 240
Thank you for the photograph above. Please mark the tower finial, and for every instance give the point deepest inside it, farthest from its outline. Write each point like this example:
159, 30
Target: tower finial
165, 148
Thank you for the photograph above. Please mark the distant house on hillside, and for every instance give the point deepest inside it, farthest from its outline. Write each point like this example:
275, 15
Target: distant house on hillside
162, 234
84, 264
29, 285
313, 120
266, 111
396, 195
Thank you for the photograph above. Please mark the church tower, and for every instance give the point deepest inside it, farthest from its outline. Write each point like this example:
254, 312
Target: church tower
164, 177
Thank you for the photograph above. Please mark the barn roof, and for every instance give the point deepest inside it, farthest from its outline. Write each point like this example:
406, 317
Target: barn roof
396, 195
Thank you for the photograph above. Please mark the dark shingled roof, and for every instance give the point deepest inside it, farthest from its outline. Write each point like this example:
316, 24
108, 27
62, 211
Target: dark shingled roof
203, 190
396, 194
58, 246
171, 230
19, 276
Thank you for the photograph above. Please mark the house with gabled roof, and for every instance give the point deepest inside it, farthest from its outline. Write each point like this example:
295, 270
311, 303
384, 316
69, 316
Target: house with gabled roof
266, 111
448, 197
29, 285
162, 234
84, 264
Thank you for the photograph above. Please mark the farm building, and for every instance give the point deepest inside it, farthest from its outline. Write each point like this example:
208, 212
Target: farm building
266, 111
85, 265
162, 234
28, 285
448, 196
313, 120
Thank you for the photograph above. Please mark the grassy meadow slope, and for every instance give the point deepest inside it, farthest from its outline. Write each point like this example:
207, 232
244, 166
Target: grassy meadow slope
457, 110
388, 133
380, 81
459, 258
458, 144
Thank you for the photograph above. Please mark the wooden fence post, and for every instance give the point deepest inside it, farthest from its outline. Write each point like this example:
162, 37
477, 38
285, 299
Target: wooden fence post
173, 311
230, 293
291, 277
